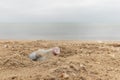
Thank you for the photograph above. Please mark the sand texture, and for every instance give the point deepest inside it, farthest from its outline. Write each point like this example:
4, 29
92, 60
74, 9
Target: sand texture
79, 60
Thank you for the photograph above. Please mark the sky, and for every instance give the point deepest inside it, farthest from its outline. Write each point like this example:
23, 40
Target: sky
60, 19
60, 11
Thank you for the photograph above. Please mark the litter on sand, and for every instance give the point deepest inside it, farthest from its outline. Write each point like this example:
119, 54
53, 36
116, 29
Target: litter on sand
43, 54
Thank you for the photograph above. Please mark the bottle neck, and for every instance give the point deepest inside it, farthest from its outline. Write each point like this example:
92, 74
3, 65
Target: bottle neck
46, 51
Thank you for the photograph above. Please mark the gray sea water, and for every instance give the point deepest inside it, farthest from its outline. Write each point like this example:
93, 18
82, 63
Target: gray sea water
59, 31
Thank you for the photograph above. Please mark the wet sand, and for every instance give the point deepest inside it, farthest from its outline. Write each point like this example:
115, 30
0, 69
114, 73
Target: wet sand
79, 60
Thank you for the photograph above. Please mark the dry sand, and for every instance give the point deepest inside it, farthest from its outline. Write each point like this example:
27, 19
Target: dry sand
79, 60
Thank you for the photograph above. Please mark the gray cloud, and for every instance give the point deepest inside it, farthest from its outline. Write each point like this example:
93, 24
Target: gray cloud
82, 11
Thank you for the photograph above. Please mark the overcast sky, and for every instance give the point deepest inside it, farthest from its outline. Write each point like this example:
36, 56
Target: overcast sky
78, 11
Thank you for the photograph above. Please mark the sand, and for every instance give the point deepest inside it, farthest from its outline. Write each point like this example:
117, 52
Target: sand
79, 60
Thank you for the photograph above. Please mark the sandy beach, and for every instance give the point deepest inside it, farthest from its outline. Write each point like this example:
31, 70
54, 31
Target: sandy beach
79, 60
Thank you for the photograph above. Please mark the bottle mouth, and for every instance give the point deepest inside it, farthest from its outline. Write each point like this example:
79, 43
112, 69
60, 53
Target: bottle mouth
56, 51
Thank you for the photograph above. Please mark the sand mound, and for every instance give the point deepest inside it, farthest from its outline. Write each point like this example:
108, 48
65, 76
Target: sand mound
79, 60
15, 61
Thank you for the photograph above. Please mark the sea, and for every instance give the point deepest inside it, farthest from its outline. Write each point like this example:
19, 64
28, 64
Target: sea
59, 31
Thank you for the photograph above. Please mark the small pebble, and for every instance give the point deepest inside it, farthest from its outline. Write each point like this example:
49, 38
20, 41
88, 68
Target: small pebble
65, 75
5, 46
73, 74
112, 55
74, 67
81, 65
